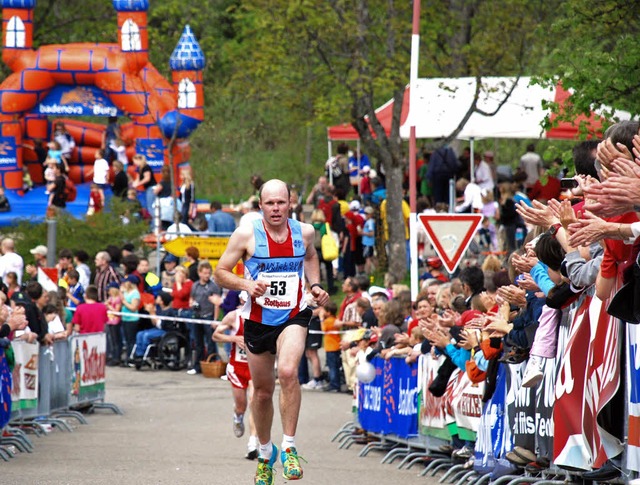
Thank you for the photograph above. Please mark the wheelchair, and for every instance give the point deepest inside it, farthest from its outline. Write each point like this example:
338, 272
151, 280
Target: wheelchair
170, 351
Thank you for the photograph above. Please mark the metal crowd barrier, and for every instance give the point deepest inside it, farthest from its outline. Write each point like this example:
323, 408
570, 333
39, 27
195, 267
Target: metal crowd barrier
47, 384
532, 418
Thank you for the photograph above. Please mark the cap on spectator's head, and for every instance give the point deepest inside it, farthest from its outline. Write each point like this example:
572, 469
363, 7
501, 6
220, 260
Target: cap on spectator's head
375, 290
132, 279
20, 298
129, 247
366, 169
40, 250
488, 154
170, 258
467, 316
434, 262
113, 284
354, 205
368, 210
147, 299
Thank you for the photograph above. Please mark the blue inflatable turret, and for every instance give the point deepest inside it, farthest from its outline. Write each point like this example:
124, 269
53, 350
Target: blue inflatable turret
187, 63
131, 5
19, 4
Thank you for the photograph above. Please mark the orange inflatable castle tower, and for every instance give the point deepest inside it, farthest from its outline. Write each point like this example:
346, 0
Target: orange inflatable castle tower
88, 79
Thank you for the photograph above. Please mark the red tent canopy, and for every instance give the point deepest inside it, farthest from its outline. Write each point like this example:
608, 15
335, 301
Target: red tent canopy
566, 130
384, 114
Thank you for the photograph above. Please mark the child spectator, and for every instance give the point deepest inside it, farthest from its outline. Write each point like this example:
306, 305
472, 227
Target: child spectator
368, 239
168, 275
91, 316
118, 147
96, 200
331, 344
80, 258
134, 209
55, 326
365, 184
313, 343
100, 174
75, 293
27, 183
491, 212
4, 202
49, 173
114, 340
130, 305
12, 283
55, 153
61, 301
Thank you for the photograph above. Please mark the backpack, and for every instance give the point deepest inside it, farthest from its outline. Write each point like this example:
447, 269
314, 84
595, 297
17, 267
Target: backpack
328, 245
70, 190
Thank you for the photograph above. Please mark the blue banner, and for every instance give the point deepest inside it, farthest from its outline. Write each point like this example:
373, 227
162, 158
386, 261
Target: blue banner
153, 150
389, 404
8, 156
77, 101
494, 433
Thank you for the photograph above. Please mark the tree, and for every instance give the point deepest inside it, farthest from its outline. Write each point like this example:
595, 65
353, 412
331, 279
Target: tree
340, 59
596, 54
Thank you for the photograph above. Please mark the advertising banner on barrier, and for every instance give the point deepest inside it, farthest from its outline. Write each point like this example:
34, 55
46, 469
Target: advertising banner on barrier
521, 407
5, 390
24, 394
545, 399
633, 386
494, 433
433, 410
586, 381
568, 446
388, 404
88, 367
466, 402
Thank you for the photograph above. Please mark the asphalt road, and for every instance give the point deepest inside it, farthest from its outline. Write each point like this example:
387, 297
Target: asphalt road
176, 429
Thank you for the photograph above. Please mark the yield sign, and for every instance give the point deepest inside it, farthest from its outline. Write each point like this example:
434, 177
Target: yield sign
450, 235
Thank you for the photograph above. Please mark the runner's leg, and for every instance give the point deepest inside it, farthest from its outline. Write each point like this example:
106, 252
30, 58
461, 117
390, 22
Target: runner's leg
263, 378
291, 343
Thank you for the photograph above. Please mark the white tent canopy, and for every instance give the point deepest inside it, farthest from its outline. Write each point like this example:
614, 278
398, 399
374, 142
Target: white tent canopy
438, 105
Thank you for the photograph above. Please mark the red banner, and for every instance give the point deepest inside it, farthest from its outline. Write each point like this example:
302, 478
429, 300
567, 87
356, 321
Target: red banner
586, 381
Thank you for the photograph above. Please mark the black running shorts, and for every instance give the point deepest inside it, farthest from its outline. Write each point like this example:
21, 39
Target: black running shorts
260, 338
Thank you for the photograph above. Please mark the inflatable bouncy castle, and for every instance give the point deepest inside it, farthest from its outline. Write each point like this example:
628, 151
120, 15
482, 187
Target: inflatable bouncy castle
62, 82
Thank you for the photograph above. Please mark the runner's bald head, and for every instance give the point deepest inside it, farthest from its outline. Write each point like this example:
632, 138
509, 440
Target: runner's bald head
274, 185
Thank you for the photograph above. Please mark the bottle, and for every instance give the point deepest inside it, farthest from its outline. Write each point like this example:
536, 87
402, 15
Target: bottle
519, 236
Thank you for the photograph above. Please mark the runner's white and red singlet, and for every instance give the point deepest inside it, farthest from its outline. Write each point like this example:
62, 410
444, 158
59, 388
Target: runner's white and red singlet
238, 368
282, 267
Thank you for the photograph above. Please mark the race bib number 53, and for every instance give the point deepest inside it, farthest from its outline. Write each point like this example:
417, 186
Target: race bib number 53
282, 292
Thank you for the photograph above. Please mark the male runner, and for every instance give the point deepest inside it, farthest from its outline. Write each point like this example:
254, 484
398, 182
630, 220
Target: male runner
278, 254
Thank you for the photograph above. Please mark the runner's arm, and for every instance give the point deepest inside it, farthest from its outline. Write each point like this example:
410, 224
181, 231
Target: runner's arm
227, 323
236, 250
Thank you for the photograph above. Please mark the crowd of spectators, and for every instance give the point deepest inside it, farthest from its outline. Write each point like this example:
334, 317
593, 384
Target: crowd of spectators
121, 297
505, 307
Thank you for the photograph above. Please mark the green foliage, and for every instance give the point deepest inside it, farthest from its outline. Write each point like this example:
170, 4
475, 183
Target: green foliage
92, 235
596, 53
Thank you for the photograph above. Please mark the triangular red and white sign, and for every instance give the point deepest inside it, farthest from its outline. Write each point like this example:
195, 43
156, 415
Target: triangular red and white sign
450, 235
